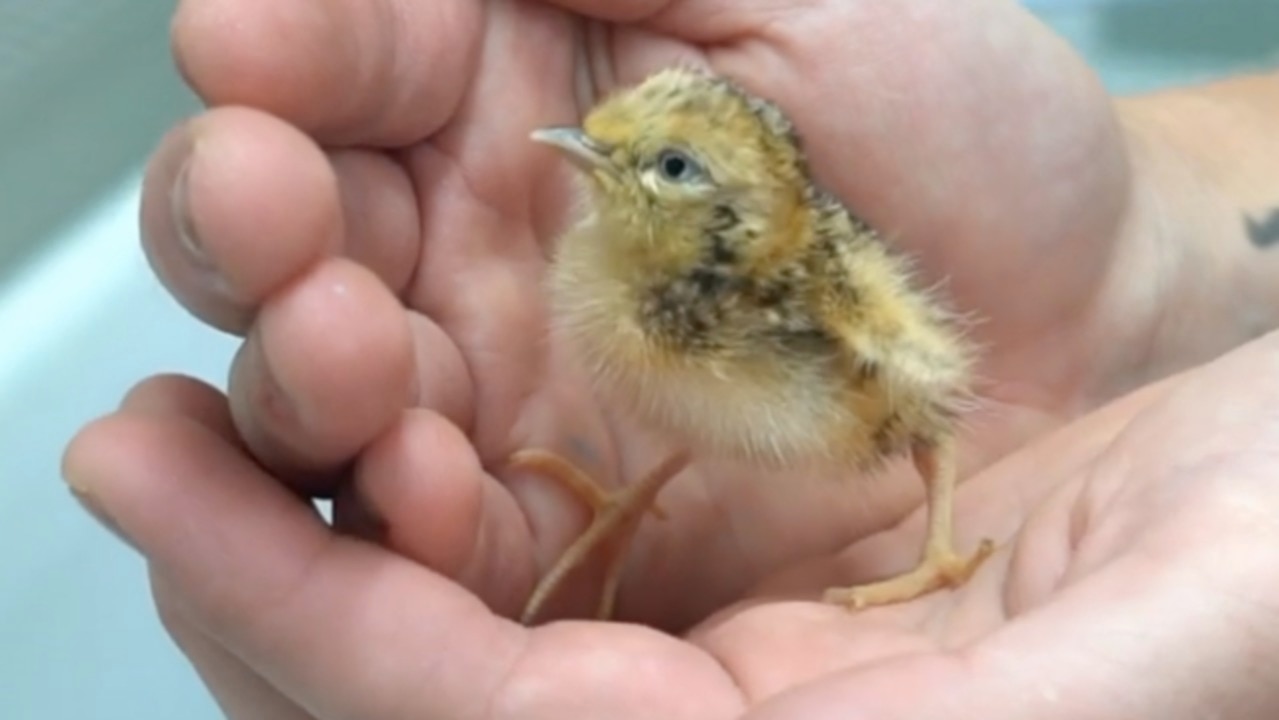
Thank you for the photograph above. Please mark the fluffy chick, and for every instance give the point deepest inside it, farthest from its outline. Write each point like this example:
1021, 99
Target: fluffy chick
721, 297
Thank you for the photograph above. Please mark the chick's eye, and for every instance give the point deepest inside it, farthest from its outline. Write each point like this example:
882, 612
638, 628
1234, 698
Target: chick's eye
675, 166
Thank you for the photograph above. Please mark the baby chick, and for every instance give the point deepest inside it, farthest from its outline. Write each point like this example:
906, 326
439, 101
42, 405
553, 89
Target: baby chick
721, 297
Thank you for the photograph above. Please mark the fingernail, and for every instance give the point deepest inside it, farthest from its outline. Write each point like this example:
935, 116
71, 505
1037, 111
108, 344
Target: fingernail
182, 220
94, 508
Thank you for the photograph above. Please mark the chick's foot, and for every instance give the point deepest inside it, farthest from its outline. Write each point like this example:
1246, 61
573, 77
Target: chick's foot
616, 517
940, 568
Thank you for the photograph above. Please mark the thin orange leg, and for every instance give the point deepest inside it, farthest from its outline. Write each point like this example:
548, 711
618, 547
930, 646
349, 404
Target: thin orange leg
616, 517
940, 565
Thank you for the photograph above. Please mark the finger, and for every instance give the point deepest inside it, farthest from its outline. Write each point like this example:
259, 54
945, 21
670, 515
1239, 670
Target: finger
185, 397
327, 368
239, 692
443, 382
236, 203
424, 488
332, 623
369, 72
380, 215
341, 626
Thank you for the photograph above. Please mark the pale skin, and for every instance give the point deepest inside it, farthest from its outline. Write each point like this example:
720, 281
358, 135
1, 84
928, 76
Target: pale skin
1133, 524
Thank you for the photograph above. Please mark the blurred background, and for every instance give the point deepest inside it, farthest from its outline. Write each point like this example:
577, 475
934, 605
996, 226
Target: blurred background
87, 87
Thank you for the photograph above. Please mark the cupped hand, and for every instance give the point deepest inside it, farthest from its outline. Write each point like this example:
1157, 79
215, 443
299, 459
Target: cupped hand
1132, 582
364, 206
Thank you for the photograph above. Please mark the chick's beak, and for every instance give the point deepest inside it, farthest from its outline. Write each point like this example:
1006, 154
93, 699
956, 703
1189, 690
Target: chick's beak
579, 148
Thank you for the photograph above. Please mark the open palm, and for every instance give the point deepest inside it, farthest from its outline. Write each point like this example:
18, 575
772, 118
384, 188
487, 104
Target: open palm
366, 208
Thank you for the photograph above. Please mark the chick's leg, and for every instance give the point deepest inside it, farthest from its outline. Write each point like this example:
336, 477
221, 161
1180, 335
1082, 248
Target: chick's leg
941, 566
616, 517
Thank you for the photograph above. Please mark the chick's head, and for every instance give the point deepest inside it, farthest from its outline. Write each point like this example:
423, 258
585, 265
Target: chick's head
684, 154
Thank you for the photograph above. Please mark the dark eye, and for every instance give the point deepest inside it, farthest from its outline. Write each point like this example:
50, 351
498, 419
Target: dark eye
676, 166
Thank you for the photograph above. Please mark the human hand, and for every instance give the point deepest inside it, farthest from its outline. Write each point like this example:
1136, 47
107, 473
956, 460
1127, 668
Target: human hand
1135, 580
444, 232
367, 280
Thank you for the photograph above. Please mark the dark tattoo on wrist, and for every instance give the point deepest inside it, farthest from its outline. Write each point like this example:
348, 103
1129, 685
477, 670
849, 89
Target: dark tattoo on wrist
1264, 233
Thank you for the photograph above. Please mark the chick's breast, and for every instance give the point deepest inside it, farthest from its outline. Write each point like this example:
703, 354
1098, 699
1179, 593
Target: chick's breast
736, 386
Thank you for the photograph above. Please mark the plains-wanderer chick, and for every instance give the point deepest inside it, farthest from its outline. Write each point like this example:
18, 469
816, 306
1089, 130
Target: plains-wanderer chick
718, 295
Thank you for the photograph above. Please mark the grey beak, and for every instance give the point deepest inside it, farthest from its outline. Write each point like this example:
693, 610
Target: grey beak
579, 148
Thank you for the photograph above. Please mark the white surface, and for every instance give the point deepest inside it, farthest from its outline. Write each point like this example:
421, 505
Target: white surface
78, 637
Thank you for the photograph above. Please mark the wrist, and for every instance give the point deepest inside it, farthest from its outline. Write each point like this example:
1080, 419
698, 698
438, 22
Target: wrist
1197, 267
